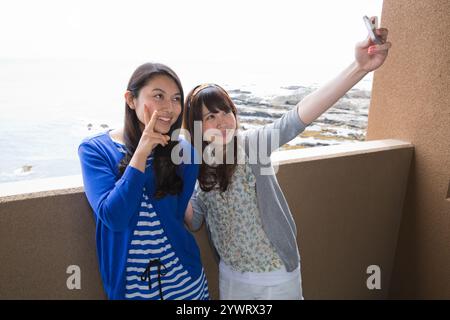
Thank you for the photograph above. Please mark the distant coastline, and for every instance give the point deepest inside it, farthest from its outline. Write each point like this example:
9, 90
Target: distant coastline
40, 132
345, 122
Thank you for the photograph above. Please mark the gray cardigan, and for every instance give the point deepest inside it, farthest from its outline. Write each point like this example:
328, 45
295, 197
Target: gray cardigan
277, 220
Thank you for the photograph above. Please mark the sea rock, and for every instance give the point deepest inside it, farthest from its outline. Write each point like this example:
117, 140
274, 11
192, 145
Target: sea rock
24, 170
357, 94
292, 98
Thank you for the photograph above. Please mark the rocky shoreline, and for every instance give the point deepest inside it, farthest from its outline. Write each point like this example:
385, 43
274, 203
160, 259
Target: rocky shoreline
346, 121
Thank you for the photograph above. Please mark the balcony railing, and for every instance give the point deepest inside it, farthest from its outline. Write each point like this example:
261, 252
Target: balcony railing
347, 202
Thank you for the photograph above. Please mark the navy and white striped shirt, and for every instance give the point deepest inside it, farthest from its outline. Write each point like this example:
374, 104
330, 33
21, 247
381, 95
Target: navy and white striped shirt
150, 242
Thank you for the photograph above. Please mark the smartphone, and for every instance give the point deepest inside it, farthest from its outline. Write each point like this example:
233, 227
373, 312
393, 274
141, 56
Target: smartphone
371, 28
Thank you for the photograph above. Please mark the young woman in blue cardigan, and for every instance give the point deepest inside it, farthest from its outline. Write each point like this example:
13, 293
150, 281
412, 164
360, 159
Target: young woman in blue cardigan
139, 196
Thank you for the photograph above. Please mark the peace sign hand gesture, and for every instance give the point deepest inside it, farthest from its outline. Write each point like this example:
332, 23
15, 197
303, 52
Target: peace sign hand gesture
149, 140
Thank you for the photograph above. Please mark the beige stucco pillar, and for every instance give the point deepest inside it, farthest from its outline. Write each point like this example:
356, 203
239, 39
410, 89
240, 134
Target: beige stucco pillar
411, 102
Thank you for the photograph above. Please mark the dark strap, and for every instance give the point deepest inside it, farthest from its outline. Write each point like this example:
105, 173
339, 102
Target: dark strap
146, 274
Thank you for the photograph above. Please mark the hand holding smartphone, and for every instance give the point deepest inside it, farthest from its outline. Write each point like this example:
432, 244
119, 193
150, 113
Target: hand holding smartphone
371, 29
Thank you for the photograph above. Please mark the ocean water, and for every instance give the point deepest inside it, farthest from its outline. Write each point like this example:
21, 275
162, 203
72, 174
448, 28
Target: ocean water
48, 106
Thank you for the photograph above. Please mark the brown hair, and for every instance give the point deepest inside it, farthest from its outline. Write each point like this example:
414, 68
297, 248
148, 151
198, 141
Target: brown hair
214, 98
167, 179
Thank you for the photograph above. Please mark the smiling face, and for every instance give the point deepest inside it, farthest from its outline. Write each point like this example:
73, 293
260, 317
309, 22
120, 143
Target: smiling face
210, 104
220, 123
161, 93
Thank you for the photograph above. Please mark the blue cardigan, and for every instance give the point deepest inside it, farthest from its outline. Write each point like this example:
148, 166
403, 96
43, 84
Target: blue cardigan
116, 201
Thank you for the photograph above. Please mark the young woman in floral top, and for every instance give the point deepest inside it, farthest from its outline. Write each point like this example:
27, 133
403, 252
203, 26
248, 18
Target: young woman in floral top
246, 214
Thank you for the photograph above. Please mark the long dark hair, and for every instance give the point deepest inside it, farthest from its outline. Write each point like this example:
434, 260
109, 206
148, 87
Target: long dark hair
167, 179
214, 98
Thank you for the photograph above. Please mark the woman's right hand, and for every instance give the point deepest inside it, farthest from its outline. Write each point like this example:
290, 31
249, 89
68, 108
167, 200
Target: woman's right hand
150, 138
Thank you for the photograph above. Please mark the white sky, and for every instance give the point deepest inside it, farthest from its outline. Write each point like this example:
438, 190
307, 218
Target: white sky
227, 30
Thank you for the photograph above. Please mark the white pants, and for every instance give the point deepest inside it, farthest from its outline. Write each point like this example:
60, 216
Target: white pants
233, 288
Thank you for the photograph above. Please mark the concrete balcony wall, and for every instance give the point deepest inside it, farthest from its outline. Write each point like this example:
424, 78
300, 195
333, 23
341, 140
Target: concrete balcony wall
346, 201
411, 101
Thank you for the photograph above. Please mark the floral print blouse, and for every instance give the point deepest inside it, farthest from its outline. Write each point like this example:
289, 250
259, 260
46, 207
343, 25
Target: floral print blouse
235, 224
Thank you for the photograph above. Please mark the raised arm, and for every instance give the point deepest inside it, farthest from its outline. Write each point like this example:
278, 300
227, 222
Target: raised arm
368, 57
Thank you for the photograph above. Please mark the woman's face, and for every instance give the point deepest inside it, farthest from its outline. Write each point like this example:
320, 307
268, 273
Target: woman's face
161, 93
220, 123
